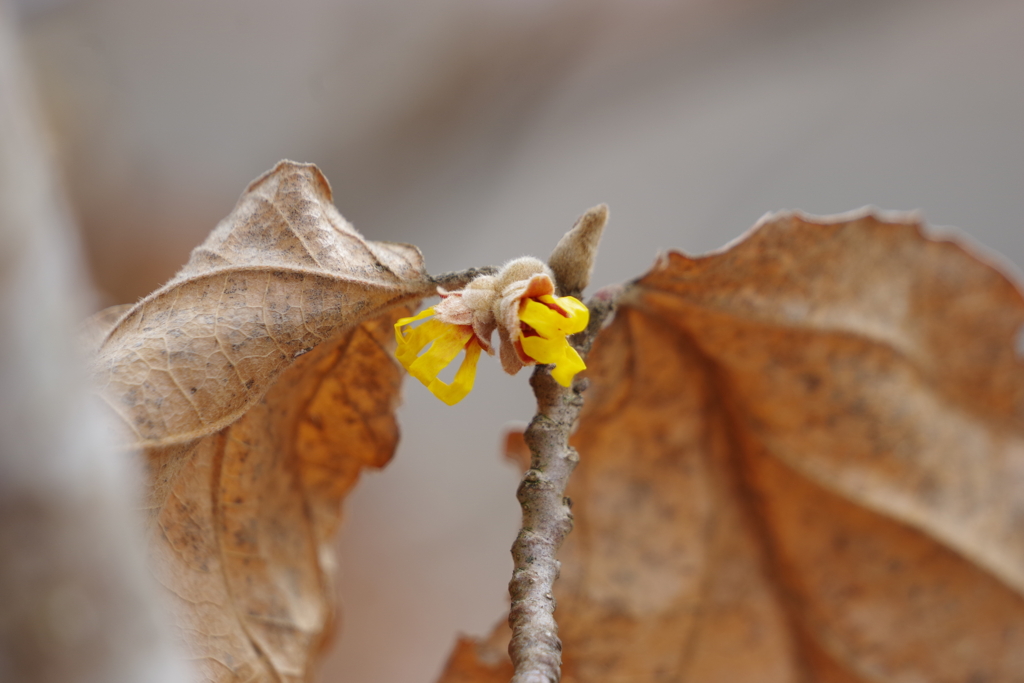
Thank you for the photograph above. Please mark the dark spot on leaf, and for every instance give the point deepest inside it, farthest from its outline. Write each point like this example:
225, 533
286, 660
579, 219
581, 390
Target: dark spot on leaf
811, 381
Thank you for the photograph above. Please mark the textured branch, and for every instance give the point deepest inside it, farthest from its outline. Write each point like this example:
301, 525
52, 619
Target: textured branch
535, 648
458, 279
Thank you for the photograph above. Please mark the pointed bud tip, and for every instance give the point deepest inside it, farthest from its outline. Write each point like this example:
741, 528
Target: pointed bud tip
572, 260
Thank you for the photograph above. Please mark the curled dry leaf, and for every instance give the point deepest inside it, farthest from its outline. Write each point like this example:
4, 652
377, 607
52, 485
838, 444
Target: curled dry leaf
801, 459
280, 275
258, 382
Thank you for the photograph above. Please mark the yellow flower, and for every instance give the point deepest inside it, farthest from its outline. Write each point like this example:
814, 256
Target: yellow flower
519, 303
547, 320
446, 341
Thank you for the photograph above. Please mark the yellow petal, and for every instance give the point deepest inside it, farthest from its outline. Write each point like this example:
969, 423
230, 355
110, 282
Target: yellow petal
550, 323
464, 377
579, 314
568, 367
402, 322
550, 347
542, 350
446, 341
413, 341
410, 343
555, 352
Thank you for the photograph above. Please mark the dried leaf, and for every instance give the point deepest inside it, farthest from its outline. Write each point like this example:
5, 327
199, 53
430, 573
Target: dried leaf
282, 274
259, 382
476, 661
801, 459
94, 330
242, 520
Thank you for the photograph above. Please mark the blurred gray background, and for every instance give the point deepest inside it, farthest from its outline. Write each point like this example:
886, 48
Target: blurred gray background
479, 130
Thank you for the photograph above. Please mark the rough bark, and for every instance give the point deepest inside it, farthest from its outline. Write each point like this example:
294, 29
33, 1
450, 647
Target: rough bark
535, 649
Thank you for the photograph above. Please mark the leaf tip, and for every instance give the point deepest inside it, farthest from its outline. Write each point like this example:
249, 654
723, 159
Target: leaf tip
287, 167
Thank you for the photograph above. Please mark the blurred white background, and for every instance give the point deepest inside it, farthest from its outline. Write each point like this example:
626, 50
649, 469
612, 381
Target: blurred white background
479, 131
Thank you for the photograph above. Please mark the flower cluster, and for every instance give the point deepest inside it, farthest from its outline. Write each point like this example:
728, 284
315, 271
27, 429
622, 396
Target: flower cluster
520, 303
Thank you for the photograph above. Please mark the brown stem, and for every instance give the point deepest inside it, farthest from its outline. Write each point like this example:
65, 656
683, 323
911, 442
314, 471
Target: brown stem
535, 648
458, 279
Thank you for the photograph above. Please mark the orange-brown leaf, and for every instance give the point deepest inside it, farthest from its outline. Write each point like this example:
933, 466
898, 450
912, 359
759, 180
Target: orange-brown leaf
242, 520
801, 460
258, 383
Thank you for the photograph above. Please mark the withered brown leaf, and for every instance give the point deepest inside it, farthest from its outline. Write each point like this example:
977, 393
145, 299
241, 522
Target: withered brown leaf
283, 273
258, 383
801, 459
242, 520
